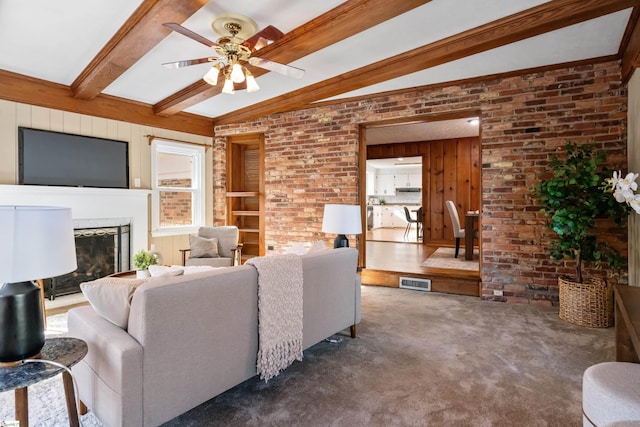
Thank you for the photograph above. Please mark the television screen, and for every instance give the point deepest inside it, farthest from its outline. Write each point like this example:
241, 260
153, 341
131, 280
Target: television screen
62, 159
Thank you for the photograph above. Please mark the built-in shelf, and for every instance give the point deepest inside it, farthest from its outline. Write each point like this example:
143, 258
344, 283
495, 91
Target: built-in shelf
245, 191
242, 194
249, 230
246, 213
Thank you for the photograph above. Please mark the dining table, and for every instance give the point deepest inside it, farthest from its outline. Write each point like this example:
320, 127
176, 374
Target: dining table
470, 218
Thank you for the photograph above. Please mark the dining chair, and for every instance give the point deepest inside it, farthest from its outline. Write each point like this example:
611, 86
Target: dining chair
417, 221
458, 232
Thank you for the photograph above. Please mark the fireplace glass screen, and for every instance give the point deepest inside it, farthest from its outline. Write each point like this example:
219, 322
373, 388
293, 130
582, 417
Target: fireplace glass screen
100, 251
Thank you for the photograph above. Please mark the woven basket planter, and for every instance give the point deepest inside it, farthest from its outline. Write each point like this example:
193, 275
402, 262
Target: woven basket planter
586, 304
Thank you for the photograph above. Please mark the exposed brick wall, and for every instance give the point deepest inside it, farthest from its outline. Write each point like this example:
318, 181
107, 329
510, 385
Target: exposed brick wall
176, 206
312, 158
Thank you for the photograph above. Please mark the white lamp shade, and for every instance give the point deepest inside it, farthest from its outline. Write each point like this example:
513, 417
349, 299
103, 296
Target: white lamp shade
36, 242
252, 85
342, 219
212, 76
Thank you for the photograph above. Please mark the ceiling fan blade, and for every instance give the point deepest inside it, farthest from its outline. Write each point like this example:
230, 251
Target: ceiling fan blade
287, 70
187, 32
188, 62
263, 38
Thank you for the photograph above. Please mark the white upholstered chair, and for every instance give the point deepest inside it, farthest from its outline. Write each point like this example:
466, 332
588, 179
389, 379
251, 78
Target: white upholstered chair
458, 232
213, 246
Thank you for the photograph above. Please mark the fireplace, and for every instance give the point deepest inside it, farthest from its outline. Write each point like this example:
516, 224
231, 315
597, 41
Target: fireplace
100, 251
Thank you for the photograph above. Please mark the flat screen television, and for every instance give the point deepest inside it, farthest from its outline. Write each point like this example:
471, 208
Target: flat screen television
62, 159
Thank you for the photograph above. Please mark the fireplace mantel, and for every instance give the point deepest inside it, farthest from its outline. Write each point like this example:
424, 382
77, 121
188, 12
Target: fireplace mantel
89, 205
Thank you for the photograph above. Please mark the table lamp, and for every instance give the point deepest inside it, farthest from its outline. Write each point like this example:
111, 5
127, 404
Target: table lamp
36, 242
342, 219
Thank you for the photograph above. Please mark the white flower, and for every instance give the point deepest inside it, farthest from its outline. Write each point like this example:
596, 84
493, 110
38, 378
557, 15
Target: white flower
629, 182
624, 189
614, 180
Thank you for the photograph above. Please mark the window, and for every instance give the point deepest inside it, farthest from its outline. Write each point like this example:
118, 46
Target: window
177, 196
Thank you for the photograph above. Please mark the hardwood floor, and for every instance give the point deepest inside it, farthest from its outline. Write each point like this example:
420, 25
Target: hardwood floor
387, 249
389, 256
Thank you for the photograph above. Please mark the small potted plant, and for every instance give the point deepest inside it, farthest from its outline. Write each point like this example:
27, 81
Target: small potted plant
573, 199
141, 262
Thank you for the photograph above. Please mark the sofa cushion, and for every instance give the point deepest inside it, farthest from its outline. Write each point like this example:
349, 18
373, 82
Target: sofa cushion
111, 297
202, 247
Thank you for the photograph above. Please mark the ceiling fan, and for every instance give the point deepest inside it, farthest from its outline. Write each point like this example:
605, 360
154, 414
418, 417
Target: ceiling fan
236, 46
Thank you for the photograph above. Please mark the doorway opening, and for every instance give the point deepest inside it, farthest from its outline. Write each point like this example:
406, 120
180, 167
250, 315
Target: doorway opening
445, 154
394, 198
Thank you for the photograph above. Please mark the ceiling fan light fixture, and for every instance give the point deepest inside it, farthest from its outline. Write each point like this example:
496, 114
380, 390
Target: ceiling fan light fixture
228, 86
252, 85
212, 75
237, 76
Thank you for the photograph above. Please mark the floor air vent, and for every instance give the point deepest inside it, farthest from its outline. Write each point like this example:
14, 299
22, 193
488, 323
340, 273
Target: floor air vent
415, 283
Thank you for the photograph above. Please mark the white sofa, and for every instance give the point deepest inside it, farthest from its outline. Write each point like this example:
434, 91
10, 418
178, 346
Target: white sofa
190, 338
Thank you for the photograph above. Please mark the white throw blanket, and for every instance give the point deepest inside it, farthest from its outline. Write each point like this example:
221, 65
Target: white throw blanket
279, 312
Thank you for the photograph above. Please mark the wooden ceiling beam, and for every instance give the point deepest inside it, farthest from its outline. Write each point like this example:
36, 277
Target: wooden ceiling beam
347, 19
137, 36
28, 90
630, 46
538, 20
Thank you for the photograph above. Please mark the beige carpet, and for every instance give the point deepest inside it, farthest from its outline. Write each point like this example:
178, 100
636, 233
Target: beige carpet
444, 258
420, 359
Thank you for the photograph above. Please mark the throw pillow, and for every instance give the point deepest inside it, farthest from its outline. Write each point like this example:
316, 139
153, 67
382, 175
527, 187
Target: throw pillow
203, 248
165, 271
194, 269
297, 249
111, 297
317, 247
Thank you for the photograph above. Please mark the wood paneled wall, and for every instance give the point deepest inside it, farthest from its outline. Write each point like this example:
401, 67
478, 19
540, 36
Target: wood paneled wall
450, 171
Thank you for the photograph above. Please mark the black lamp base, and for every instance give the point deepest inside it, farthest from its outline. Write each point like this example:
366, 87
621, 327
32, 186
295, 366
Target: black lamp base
21, 321
341, 241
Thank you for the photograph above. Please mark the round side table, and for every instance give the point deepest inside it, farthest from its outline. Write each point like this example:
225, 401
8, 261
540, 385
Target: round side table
65, 351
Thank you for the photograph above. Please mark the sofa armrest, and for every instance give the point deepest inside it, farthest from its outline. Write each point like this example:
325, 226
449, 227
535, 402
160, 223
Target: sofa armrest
109, 377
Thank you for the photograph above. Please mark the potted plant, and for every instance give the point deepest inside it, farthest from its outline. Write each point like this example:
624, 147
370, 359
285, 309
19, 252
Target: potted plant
573, 198
141, 262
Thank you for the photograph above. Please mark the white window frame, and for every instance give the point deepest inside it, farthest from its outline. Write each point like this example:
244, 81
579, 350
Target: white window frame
198, 194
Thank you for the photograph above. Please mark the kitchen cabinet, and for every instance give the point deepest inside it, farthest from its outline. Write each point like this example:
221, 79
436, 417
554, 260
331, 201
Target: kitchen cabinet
393, 217
377, 216
402, 180
371, 183
408, 180
415, 180
385, 185
387, 217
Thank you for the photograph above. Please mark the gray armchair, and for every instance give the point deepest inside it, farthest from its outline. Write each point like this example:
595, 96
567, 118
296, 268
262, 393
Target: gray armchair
213, 246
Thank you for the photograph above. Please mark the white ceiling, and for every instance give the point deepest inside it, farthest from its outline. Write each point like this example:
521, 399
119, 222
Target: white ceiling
55, 41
